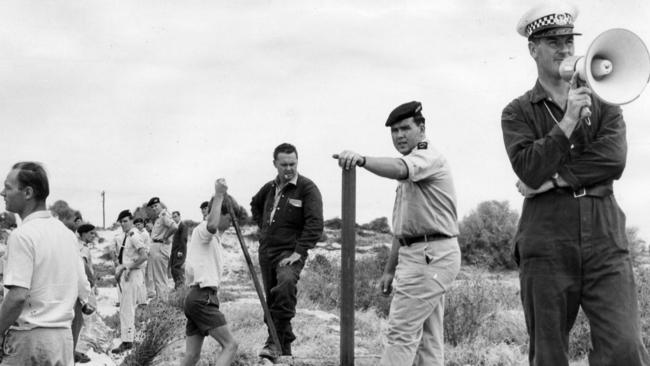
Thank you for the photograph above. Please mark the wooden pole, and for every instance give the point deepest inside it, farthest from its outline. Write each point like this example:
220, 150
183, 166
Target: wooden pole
347, 266
256, 282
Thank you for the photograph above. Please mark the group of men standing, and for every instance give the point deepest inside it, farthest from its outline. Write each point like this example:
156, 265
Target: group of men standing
565, 145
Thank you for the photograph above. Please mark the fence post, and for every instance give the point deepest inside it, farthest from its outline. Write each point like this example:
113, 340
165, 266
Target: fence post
347, 266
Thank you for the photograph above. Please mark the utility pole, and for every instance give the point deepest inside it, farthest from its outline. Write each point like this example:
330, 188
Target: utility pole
103, 210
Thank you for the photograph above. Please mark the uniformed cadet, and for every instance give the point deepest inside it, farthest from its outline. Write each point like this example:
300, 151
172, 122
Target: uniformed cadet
129, 273
142, 290
567, 147
158, 262
425, 256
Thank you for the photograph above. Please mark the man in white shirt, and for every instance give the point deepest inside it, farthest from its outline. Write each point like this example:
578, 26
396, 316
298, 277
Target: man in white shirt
129, 272
43, 275
203, 270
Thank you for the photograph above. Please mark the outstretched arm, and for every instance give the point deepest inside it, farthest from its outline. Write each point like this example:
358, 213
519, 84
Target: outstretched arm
392, 168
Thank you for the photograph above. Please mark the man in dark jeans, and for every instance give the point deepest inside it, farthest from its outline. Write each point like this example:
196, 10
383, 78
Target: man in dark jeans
289, 213
179, 250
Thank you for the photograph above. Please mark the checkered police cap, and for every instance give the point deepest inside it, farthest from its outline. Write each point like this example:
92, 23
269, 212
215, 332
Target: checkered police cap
548, 20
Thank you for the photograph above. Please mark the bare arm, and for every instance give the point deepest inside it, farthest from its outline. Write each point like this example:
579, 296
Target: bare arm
386, 281
12, 306
214, 217
392, 168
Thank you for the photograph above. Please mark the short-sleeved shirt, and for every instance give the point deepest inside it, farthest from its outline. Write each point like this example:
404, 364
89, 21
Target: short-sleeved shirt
43, 257
164, 223
134, 242
204, 263
425, 202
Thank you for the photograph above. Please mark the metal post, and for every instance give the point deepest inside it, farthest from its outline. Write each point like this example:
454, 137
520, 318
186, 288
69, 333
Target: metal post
347, 266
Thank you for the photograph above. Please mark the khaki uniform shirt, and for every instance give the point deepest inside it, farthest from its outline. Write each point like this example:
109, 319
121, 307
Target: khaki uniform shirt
425, 202
164, 223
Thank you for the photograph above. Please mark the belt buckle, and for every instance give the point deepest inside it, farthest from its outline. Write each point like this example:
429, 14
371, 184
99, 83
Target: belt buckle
578, 194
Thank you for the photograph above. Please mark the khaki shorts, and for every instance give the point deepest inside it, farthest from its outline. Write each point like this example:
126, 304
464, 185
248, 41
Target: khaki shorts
202, 311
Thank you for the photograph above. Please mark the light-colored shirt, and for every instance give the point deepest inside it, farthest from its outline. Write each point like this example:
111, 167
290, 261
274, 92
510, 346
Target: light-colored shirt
43, 257
164, 223
204, 262
425, 202
135, 241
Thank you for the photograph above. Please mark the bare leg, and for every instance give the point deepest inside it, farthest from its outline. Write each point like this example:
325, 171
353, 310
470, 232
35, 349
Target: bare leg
193, 346
228, 345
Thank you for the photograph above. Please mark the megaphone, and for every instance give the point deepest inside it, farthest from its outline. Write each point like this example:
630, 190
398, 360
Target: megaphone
616, 67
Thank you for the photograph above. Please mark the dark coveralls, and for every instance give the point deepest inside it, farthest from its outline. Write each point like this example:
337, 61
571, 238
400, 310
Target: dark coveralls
297, 226
176, 262
571, 246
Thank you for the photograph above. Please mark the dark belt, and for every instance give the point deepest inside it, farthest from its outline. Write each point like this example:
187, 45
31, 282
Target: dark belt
158, 241
601, 190
406, 241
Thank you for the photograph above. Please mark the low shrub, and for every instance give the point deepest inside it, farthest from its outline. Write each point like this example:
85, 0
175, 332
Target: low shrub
320, 282
468, 303
162, 326
643, 294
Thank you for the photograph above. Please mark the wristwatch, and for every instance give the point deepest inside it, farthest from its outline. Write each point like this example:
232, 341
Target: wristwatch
554, 180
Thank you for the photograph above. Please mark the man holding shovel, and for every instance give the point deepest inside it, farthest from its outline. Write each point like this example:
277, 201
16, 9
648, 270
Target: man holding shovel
203, 271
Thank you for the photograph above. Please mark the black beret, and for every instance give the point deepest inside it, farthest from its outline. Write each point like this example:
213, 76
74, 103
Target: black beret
404, 111
205, 204
123, 214
138, 220
85, 228
153, 201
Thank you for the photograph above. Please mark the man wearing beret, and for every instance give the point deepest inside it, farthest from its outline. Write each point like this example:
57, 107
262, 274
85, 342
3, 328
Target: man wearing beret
158, 262
567, 147
425, 256
43, 275
289, 213
129, 274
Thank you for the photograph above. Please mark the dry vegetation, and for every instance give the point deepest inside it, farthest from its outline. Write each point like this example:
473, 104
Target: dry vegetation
484, 323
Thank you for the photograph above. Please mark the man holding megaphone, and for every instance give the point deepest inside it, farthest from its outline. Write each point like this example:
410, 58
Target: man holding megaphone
567, 146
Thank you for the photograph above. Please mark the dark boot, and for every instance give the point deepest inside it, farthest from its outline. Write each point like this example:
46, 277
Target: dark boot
124, 346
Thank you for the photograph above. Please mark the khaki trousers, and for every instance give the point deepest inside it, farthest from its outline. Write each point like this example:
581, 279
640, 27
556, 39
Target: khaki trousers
415, 329
128, 303
157, 268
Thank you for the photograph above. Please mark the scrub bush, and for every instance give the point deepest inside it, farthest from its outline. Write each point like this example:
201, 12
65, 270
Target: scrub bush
320, 282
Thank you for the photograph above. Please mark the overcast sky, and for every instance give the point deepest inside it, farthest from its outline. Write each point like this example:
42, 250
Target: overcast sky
159, 98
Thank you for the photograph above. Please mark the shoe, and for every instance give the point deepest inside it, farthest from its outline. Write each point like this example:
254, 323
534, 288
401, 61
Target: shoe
270, 352
124, 346
81, 357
